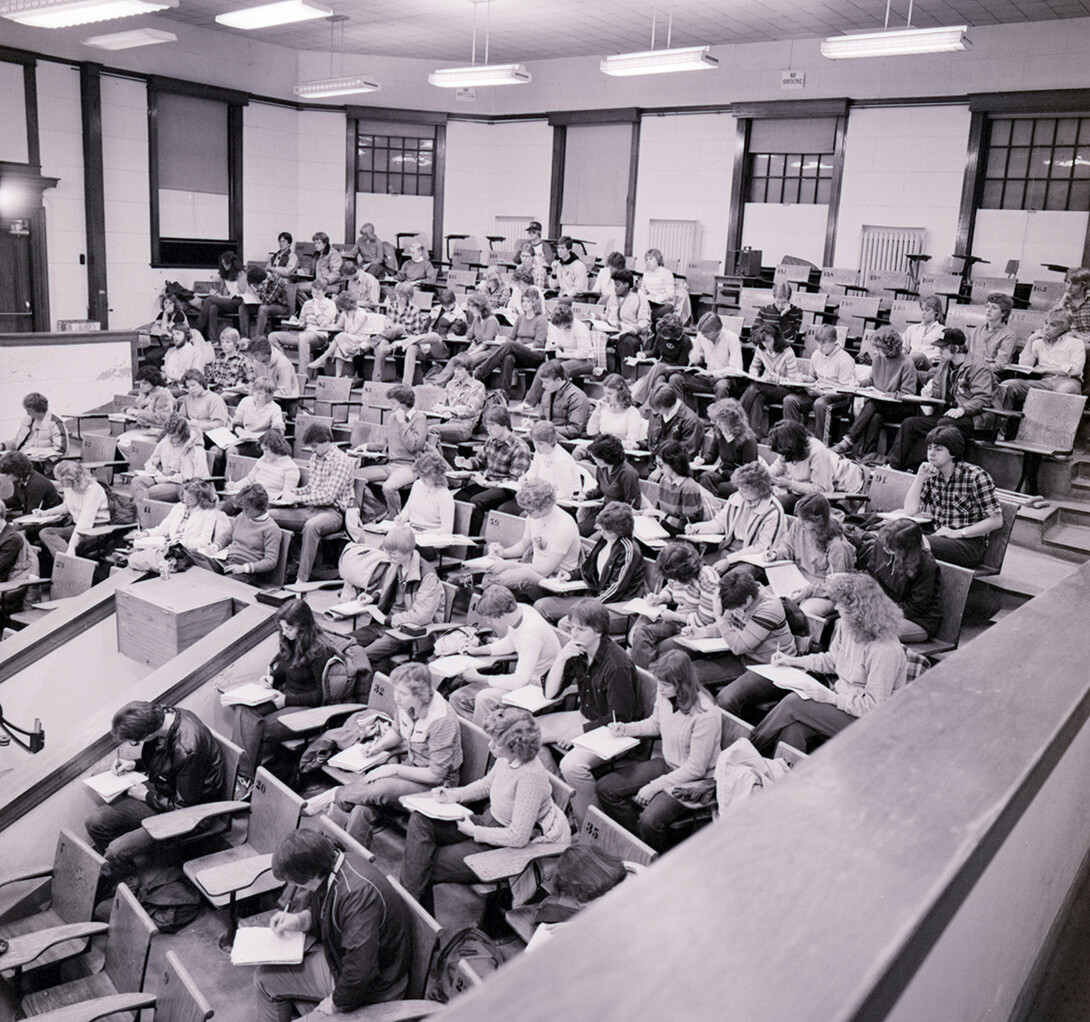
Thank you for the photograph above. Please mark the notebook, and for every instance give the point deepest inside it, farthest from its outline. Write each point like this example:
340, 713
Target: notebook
785, 579
428, 806
357, 759
529, 697
783, 676
109, 786
260, 945
250, 694
353, 608
640, 606
603, 744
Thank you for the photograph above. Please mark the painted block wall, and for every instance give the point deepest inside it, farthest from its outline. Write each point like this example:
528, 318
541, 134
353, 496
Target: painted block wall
319, 156
270, 180
903, 167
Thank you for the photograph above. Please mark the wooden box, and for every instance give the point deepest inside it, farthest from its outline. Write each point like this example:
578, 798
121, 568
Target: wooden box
156, 620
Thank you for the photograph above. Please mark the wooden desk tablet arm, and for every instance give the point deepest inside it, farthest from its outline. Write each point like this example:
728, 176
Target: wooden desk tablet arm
23, 949
100, 1007
507, 863
234, 877
34, 873
318, 717
180, 822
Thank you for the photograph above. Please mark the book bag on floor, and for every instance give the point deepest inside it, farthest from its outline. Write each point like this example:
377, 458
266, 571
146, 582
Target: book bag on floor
167, 897
122, 509
471, 945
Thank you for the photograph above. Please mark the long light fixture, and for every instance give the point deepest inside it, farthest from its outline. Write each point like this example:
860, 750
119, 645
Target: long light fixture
325, 87
66, 13
480, 75
657, 62
897, 43
130, 40
283, 12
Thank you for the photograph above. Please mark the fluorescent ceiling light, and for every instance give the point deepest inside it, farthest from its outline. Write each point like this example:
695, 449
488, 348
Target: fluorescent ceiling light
477, 75
897, 43
284, 12
657, 62
130, 40
65, 13
335, 87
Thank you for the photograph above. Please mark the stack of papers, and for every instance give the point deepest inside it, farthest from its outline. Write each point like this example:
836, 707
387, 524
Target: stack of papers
529, 697
109, 786
649, 530
892, 516
603, 744
570, 585
459, 663
252, 693
357, 759
785, 677
426, 805
354, 608
785, 579
640, 606
259, 945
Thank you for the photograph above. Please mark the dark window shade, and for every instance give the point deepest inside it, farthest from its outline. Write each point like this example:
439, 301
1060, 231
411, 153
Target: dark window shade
596, 168
395, 128
793, 135
192, 144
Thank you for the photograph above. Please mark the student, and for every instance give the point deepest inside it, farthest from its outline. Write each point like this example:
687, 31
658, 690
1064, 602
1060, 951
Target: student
351, 336
672, 419
670, 347
993, 341
177, 456
680, 498
371, 253
781, 316
462, 402
551, 463
252, 542
731, 444
689, 596
1076, 301
522, 282
181, 356
231, 287
894, 375
965, 385
418, 268
430, 507
866, 657
317, 315
568, 270
323, 501
563, 404
480, 334
805, 465
525, 349
657, 285
446, 319
231, 372
521, 630
494, 288
775, 364
170, 316
550, 538
520, 810
425, 747
283, 262
1056, 352
920, 337
406, 436
504, 456
534, 265
154, 405
603, 282
637, 795
364, 287
959, 497
30, 490
617, 479
271, 364
831, 370
898, 558
202, 409
40, 436
275, 471
17, 560
718, 352
404, 319
541, 252
294, 681
257, 413
184, 767
603, 678
359, 927
272, 296
752, 623
190, 523
327, 266
612, 570
752, 519
616, 414
814, 542
570, 342
627, 312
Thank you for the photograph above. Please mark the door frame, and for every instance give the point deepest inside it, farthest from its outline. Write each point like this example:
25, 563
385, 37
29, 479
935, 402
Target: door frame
28, 205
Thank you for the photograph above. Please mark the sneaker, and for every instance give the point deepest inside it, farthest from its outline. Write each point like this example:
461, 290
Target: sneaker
844, 447
244, 787
320, 803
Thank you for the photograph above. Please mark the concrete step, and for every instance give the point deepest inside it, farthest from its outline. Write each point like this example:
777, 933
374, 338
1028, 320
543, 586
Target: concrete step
1059, 528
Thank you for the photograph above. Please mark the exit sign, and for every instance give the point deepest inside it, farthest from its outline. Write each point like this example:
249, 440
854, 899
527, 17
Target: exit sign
792, 79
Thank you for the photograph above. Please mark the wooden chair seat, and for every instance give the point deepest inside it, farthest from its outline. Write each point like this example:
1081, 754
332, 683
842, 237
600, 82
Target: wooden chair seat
100, 1007
27, 947
86, 988
521, 920
46, 920
504, 863
231, 864
166, 826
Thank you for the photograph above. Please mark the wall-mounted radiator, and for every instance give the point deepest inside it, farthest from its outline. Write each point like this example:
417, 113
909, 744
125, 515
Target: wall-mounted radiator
513, 228
886, 248
677, 240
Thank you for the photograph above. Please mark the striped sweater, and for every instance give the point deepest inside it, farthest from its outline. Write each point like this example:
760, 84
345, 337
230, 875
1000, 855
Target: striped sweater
757, 631
748, 525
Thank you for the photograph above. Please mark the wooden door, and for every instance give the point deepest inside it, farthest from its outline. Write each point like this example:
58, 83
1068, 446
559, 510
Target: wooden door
16, 291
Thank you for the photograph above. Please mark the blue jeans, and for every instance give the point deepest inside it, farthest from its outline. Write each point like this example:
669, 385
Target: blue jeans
651, 822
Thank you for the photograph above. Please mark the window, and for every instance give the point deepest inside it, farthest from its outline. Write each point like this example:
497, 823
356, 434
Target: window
790, 177
1037, 163
396, 164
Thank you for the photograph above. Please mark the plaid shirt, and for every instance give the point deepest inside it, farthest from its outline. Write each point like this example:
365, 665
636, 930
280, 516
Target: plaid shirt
330, 483
412, 319
272, 291
966, 498
229, 371
1080, 312
504, 457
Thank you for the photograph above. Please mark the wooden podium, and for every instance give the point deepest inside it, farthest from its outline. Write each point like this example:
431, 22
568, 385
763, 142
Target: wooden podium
156, 620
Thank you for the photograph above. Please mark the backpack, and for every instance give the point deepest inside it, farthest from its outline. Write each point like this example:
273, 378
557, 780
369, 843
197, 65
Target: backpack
346, 677
799, 624
167, 897
471, 945
122, 509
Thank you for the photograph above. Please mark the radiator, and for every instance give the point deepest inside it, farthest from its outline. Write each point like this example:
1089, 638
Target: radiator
677, 240
513, 228
886, 248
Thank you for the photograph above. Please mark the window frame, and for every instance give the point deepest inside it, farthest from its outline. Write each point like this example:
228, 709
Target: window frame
387, 172
1022, 180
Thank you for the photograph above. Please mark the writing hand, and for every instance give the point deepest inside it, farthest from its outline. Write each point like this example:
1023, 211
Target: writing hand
781, 659
124, 766
441, 795
616, 728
